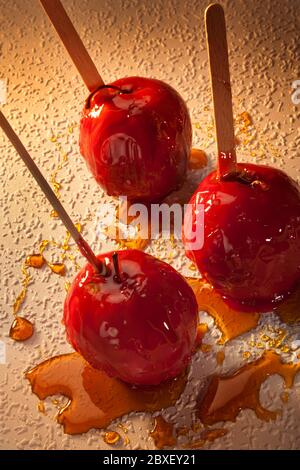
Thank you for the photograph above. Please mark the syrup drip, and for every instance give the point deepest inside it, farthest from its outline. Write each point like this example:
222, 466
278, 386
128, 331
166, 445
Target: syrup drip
226, 396
272, 338
207, 129
163, 433
58, 268
36, 261
41, 407
206, 348
246, 135
248, 142
62, 161
21, 329
244, 121
202, 329
21, 297
95, 399
65, 244
125, 432
220, 357
32, 261
192, 267
67, 286
111, 438
289, 311
198, 159
246, 354
232, 323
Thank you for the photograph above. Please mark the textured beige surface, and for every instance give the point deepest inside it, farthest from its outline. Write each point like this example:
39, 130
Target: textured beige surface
158, 38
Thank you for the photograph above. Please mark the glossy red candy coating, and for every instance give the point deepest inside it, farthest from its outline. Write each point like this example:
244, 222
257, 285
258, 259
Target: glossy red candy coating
136, 135
142, 329
251, 251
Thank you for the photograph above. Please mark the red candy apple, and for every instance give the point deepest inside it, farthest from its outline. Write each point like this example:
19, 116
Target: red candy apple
135, 135
138, 324
251, 251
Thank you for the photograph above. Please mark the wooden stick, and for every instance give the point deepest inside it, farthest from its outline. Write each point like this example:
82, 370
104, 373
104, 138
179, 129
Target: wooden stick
85, 249
221, 88
73, 44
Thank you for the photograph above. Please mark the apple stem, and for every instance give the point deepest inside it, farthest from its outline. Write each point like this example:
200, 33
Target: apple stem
108, 88
115, 259
83, 246
221, 88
